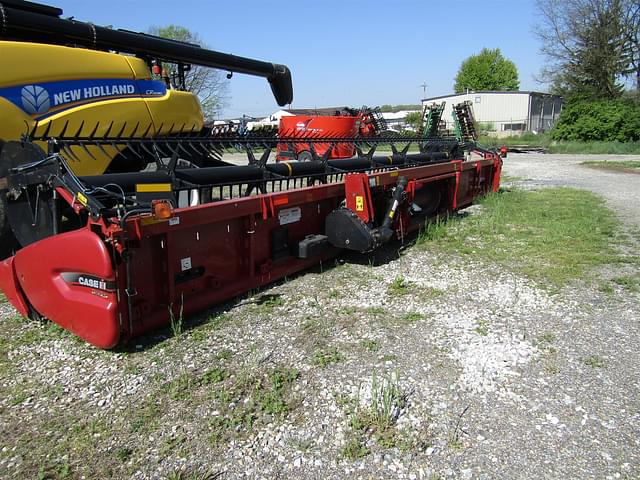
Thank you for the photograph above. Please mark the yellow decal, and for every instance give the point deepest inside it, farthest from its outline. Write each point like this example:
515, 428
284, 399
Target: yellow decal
153, 187
82, 199
394, 174
359, 203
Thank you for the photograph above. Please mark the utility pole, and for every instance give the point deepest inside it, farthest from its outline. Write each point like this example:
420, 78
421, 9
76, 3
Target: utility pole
424, 89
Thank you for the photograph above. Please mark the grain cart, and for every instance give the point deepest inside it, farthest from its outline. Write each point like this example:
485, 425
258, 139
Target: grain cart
347, 122
111, 254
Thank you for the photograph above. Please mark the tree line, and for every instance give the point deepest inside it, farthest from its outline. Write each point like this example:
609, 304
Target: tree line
592, 52
592, 58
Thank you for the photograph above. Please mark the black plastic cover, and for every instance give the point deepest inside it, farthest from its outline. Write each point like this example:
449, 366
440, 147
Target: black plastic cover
312, 245
345, 230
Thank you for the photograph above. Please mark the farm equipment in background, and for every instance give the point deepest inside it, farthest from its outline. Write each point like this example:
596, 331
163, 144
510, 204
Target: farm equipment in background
111, 254
431, 119
464, 122
346, 123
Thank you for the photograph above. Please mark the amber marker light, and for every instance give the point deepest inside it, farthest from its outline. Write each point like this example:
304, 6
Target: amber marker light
161, 209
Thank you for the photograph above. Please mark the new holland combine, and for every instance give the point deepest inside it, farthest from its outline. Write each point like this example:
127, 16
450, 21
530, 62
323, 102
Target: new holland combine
118, 210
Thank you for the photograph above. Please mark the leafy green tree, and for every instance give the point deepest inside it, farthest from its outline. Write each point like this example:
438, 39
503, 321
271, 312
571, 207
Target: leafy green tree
589, 45
207, 83
488, 70
599, 120
414, 120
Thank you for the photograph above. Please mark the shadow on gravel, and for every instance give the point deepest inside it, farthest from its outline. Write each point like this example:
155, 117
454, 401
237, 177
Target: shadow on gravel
382, 256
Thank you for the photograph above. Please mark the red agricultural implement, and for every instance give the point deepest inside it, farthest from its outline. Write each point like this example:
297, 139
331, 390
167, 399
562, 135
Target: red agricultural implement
136, 257
123, 212
347, 123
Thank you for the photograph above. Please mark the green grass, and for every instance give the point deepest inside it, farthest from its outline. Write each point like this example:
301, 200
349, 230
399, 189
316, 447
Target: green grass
400, 286
250, 398
483, 328
323, 357
543, 140
629, 283
376, 420
412, 317
552, 236
623, 165
596, 148
593, 361
370, 345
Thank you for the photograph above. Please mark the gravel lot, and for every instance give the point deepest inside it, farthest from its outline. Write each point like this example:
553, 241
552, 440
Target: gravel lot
499, 378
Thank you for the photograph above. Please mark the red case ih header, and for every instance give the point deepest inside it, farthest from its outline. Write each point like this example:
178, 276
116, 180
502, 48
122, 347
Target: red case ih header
137, 258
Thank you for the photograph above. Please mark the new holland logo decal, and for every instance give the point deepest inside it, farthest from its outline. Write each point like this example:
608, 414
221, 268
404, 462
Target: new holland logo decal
35, 99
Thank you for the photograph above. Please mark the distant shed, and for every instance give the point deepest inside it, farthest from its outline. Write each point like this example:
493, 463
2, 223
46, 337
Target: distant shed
508, 112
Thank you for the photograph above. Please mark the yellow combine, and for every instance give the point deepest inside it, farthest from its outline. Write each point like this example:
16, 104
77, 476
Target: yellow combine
59, 87
63, 78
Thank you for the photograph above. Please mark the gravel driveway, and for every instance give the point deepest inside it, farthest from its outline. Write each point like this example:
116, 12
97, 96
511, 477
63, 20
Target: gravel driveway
499, 378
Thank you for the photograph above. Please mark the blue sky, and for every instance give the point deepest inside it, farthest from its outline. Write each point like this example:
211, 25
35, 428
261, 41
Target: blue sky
349, 52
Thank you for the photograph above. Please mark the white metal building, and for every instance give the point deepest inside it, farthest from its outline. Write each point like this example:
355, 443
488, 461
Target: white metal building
509, 112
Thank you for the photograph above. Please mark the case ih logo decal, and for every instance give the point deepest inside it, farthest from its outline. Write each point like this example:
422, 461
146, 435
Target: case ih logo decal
89, 281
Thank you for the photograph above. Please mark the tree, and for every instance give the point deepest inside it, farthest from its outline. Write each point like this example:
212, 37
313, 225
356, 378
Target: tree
414, 120
589, 45
207, 83
631, 38
488, 70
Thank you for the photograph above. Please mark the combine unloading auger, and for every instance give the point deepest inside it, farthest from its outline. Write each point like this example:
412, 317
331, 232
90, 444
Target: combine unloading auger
110, 256
31, 22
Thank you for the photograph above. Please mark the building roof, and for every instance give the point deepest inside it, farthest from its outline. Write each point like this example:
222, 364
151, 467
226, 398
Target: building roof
471, 92
316, 111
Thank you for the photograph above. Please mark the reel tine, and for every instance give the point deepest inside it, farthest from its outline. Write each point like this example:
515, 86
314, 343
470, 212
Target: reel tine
119, 135
70, 152
32, 133
106, 134
84, 147
180, 147
77, 135
133, 150
64, 129
146, 132
143, 145
99, 145
159, 147
93, 132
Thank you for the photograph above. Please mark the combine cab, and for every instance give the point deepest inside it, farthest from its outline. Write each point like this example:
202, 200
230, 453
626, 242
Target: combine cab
110, 255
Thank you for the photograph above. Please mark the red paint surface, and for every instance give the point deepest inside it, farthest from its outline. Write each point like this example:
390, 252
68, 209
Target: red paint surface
227, 244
